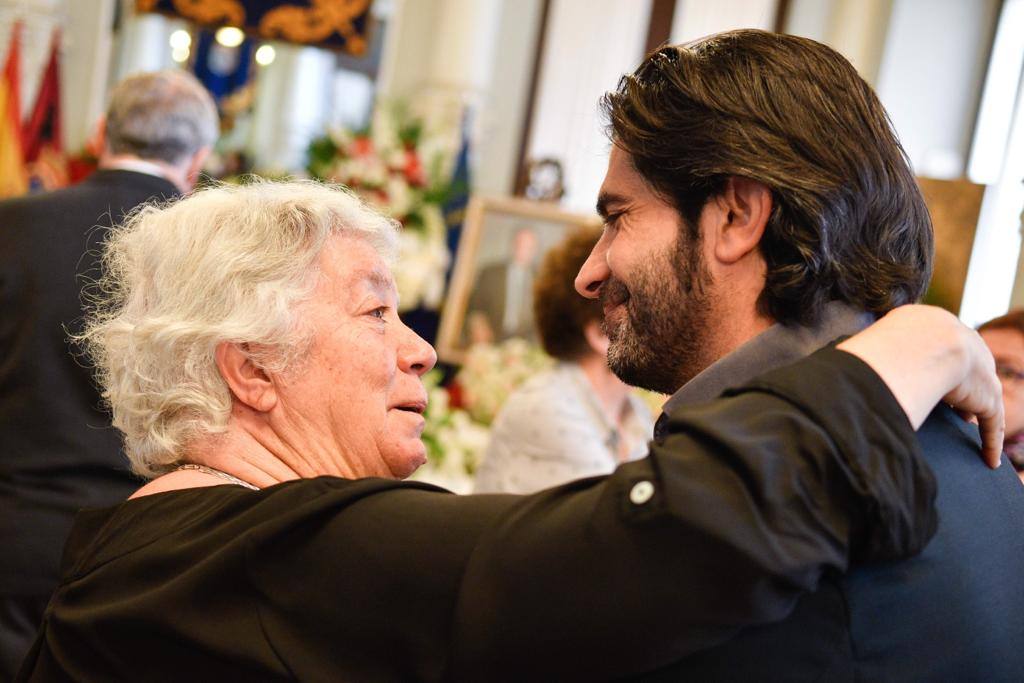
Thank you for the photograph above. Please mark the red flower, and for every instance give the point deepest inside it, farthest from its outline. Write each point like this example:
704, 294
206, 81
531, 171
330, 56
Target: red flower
414, 169
362, 147
455, 395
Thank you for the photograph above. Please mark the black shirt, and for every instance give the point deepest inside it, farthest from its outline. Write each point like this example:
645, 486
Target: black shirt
739, 509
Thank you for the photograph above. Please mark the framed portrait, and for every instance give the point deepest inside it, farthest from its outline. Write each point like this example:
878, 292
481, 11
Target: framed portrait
490, 298
954, 206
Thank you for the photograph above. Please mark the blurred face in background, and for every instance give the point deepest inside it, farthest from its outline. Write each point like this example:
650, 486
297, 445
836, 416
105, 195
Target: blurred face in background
1007, 346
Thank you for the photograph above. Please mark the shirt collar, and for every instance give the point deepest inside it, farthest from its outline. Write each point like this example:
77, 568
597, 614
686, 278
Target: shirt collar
137, 165
777, 346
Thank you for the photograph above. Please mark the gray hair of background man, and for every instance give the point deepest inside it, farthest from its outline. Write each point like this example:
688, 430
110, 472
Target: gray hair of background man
163, 115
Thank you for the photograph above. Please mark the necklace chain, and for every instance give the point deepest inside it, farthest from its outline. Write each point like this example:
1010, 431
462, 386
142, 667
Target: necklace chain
217, 473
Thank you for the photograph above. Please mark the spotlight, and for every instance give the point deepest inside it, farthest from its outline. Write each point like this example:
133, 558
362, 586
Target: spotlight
265, 55
229, 36
181, 40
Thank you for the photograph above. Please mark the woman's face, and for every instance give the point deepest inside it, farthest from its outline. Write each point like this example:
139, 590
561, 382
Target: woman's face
354, 403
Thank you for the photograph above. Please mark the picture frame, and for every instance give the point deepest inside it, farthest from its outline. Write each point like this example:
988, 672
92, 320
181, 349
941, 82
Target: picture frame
494, 236
954, 207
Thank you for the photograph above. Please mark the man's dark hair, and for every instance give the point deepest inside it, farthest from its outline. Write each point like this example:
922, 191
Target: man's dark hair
848, 221
1013, 320
559, 311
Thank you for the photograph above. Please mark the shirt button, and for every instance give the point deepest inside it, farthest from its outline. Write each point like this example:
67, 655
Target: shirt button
641, 492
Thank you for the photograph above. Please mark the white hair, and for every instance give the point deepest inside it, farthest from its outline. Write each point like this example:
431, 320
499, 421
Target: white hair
226, 264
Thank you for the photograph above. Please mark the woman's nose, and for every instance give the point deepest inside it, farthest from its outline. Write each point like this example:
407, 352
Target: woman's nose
417, 356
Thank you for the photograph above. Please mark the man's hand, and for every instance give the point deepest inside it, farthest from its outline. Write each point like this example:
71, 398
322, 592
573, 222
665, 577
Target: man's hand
924, 354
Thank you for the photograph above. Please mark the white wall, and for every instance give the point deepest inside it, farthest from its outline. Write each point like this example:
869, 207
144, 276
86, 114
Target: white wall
590, 44
292, 106
854, 28
85, 68
931, 75
502, 117
695, 19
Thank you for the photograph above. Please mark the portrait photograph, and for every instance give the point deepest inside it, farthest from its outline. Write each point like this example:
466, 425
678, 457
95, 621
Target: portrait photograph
491, 291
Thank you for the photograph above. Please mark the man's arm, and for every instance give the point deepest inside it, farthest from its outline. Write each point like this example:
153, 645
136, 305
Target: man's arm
734, 515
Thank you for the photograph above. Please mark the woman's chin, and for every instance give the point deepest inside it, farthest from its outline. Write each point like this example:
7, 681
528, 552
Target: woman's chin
411, 458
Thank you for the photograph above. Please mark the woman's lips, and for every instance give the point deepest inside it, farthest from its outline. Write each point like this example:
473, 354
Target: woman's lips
416, 406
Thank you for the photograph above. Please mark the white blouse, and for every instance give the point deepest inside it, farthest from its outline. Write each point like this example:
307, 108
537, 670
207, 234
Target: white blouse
552, 430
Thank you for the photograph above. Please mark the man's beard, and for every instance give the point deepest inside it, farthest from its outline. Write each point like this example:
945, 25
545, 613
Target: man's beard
662, 341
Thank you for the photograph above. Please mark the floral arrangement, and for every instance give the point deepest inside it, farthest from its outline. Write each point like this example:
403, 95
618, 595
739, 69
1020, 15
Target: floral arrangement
455, 442
491, 372
458, 417
395, 167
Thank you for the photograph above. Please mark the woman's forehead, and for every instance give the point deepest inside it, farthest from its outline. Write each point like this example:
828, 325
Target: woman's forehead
352, 264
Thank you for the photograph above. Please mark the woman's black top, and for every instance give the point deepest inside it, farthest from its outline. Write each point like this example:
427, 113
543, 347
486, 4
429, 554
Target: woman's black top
739, 509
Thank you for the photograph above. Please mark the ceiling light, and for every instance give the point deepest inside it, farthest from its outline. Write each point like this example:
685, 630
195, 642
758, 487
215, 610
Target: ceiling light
229, 36
265, 55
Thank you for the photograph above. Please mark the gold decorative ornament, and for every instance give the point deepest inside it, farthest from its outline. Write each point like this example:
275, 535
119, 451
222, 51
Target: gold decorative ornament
230, 12
315, 24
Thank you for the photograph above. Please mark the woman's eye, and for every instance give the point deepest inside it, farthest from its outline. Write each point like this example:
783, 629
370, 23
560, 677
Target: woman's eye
379, 312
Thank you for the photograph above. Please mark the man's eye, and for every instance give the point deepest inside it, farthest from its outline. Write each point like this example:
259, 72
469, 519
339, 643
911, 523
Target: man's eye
610, 220
379, 312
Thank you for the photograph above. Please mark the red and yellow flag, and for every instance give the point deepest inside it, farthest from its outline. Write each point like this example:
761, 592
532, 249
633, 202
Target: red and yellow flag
43, 147
13, 179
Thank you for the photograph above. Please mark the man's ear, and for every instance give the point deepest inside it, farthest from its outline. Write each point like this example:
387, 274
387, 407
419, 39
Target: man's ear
248, 382
97, 142
195, 166
745, 206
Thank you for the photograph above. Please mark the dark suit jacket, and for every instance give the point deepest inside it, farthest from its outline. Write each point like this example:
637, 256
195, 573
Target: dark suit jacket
58, 452
954, 613
490, 295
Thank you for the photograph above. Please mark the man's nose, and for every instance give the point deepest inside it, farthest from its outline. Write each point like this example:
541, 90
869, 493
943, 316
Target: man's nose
593, 273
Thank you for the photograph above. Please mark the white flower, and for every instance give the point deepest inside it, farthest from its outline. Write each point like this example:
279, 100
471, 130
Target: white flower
490, 373
399, 196
341, 137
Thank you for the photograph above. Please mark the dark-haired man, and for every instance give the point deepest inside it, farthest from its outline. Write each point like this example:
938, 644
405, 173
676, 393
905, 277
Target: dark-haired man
757, 206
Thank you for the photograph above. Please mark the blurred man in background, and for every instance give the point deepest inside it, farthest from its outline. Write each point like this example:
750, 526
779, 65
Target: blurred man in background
757, 206
499, 306
1005, 337
58, 451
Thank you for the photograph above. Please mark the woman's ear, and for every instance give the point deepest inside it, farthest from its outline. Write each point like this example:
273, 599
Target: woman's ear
249, 383
745, 206
597, 340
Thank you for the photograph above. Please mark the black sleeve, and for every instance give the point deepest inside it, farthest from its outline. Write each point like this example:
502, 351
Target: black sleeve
733, 516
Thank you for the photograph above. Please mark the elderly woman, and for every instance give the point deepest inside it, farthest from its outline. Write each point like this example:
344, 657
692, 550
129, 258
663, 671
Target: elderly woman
250, 349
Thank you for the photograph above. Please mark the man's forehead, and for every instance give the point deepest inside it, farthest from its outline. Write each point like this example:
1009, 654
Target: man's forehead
622, 183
